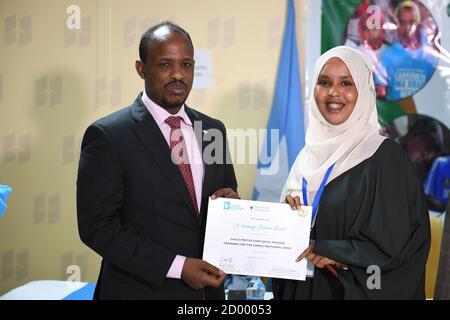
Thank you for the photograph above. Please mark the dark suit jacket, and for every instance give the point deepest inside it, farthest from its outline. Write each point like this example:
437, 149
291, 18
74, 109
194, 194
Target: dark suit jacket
134, 208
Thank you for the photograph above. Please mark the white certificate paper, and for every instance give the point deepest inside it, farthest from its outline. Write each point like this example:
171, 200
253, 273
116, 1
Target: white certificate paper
257, 238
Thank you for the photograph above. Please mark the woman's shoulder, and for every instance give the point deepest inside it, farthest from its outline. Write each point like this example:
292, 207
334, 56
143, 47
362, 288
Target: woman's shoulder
388, 160
390, 149
391, 153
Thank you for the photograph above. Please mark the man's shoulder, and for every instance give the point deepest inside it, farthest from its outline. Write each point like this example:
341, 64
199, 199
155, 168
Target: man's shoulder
116, 124
119, 118
116, 118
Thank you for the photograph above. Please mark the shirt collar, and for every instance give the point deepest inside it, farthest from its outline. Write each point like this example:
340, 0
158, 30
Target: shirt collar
160, 114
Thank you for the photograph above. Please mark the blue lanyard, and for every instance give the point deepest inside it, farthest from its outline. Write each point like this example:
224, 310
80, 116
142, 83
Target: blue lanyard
318, 194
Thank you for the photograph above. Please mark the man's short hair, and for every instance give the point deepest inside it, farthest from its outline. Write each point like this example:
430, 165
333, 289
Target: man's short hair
149, 36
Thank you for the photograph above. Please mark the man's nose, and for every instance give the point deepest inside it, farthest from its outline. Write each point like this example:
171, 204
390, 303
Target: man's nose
177, 73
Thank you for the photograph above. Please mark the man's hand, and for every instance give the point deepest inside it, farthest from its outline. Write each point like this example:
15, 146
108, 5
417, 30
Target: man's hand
199, 274
225, 193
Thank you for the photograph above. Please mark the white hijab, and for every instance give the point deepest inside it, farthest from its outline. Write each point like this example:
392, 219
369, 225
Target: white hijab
346, 144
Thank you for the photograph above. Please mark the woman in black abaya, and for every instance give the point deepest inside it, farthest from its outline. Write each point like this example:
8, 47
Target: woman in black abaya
370, 224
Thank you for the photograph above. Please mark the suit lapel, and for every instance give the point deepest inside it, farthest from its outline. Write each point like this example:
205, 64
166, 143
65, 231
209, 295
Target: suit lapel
199, 135
151, 137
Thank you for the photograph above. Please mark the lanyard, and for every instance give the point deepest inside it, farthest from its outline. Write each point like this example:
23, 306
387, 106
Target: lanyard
318, 194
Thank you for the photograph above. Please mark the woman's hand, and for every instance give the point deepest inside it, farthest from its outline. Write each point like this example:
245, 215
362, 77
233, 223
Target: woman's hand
294, 202
319, 261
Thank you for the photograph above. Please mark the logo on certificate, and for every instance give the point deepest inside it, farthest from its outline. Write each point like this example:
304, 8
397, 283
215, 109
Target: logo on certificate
229, 205
302, 212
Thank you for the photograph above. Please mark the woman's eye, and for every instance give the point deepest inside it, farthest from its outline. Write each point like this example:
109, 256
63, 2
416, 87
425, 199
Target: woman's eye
347, 84
164, 64
323, 82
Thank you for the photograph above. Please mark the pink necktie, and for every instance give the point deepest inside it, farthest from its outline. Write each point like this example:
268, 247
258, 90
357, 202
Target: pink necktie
180, 156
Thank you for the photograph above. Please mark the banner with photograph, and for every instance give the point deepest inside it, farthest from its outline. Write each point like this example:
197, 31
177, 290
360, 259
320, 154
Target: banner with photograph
408, 44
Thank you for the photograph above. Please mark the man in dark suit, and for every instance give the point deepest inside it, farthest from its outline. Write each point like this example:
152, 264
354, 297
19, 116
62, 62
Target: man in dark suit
143, 182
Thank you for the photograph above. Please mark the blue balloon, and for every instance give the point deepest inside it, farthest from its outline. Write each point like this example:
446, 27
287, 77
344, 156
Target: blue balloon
4, 194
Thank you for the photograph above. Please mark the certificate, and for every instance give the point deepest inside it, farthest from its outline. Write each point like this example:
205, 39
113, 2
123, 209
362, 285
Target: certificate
257, 238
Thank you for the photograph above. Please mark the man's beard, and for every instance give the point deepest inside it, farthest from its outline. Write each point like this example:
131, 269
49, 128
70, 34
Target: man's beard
172, 105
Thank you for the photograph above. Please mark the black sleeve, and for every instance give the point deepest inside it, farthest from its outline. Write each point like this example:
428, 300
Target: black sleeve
100, 195
391, 231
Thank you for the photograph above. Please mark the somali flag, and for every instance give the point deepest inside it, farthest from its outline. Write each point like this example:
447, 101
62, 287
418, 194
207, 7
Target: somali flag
281, 148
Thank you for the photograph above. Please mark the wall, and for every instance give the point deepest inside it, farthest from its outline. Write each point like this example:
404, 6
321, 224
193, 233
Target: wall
54, 82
